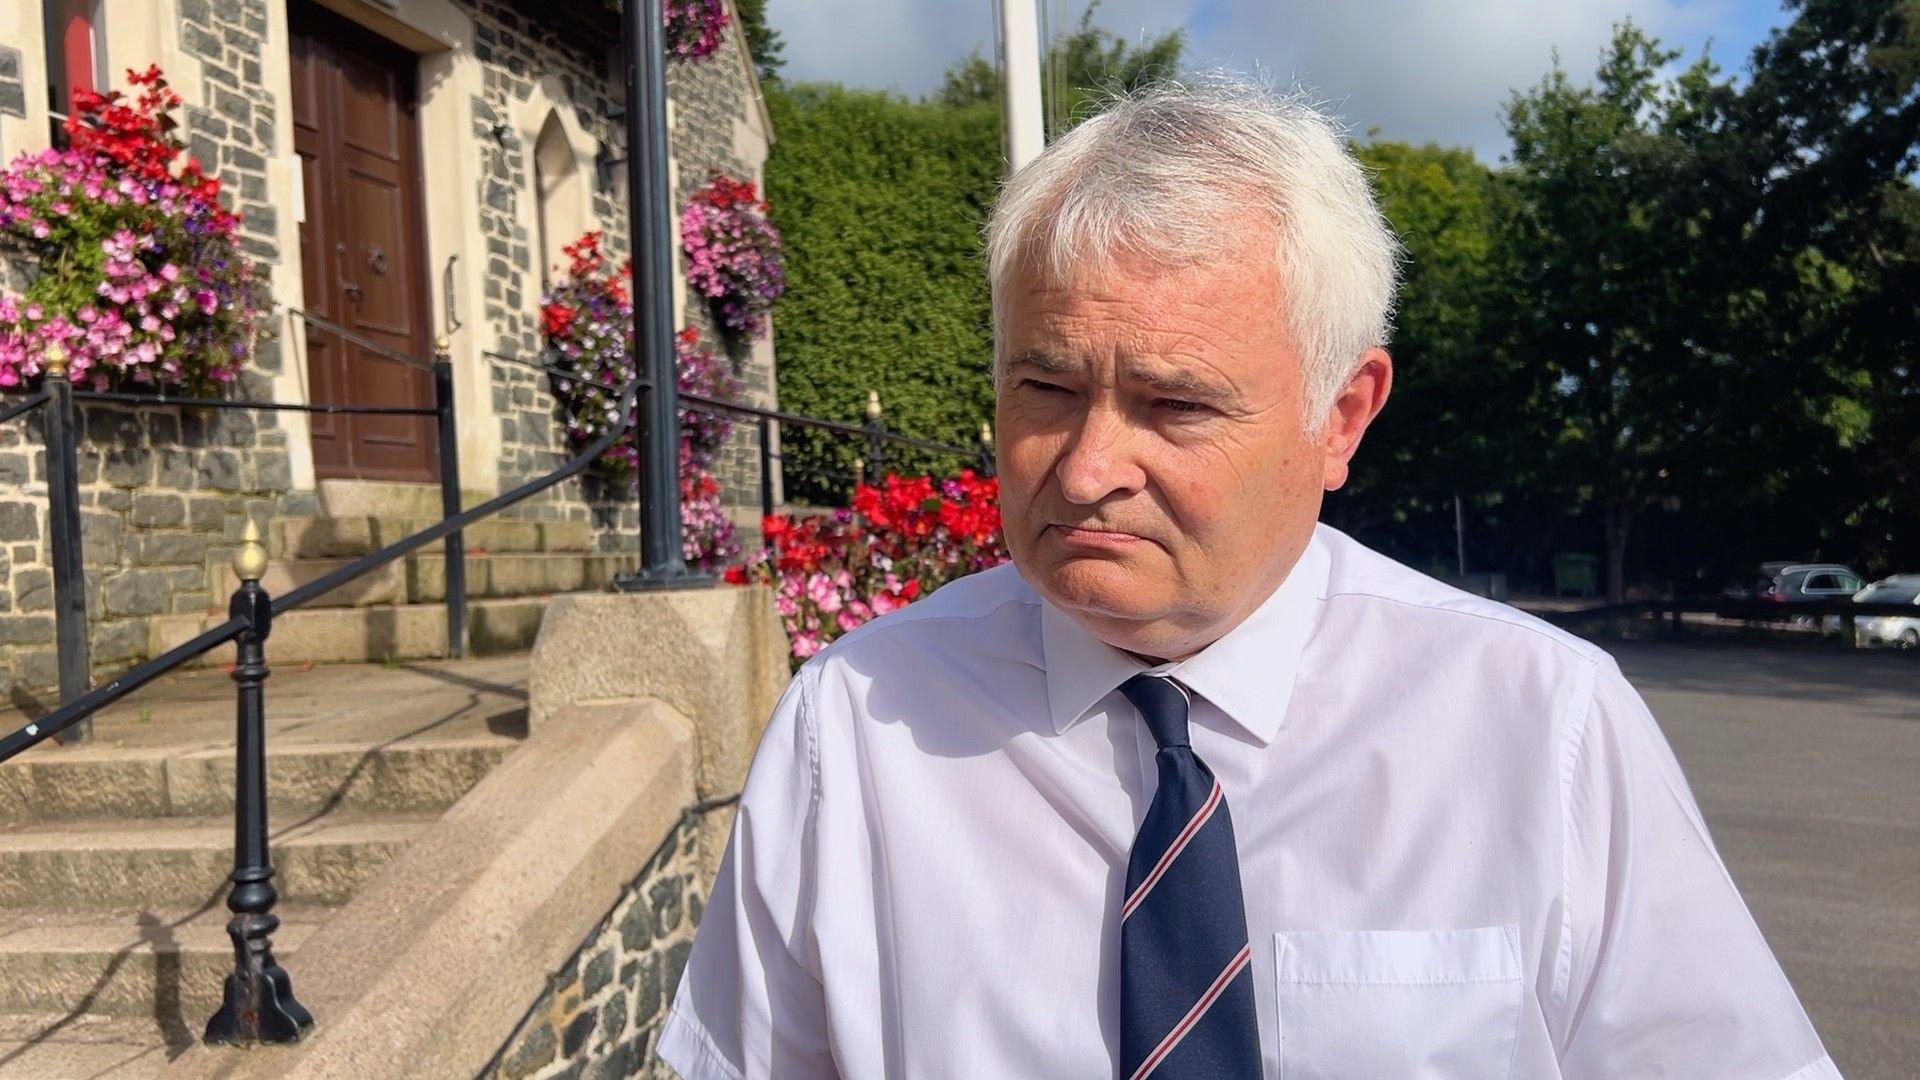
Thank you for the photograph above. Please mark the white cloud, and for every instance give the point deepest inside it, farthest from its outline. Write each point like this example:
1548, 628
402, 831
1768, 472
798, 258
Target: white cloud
1417, 69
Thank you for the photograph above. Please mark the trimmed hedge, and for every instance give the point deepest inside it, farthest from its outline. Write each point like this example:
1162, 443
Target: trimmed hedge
882, 203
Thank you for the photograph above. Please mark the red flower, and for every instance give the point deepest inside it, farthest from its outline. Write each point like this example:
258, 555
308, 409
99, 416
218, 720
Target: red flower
735, 575
585, 254
559, 319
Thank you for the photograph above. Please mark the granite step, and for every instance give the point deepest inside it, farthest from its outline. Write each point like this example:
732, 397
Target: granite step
65, 1046
387, 633
345, 537
422, 578
53, 783
113, 863
163, 964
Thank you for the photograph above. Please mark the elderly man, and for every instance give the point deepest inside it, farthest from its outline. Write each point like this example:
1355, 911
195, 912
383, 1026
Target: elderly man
1198, 787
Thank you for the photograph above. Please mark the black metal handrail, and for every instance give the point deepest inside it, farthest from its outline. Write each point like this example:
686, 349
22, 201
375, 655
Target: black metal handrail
259, 1003
878, 436
308, 315
141, 674
115, 397
30, 402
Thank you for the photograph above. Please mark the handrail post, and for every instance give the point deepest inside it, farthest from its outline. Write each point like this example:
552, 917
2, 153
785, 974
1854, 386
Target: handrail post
986, 448
876, 435
766, 468
456, 548
65, 550
258, 1005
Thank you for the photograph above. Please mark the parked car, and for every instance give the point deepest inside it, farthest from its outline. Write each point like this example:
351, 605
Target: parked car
1898, 630
1802, 583
1806, 583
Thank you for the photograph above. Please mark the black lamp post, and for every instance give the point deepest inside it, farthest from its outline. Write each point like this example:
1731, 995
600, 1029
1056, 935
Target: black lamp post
650, 217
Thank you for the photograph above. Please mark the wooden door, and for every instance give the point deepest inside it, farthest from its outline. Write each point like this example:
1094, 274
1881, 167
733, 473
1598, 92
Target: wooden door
362, 249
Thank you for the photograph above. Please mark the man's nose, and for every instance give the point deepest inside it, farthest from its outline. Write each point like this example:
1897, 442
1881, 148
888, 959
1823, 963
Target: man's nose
1098, 461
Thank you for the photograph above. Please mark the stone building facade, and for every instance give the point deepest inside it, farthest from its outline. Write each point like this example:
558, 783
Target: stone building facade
516, 109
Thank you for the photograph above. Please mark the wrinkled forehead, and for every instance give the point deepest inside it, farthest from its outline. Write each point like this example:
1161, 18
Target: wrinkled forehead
1229, 287
1068, 253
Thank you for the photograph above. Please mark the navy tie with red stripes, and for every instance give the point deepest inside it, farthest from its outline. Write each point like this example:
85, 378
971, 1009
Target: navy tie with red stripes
1186, 991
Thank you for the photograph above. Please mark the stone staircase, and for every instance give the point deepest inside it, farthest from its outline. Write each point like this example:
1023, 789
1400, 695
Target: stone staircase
114, 854
398, 611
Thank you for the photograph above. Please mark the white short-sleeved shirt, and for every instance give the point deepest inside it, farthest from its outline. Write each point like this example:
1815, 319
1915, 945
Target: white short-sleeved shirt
1466, 851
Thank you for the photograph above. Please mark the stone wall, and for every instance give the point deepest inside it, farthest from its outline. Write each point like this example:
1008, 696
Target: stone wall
165, 490
165, 493
601, 1013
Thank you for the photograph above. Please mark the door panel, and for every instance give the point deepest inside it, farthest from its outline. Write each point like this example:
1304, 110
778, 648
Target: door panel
356, 129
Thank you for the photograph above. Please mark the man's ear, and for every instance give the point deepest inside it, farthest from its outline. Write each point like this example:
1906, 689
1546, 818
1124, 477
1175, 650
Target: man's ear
1360, 400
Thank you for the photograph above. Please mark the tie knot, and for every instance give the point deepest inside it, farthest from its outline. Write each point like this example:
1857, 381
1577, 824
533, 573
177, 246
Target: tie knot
1162, 704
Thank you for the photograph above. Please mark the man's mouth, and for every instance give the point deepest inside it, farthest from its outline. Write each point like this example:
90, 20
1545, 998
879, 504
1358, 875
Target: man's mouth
1106, 538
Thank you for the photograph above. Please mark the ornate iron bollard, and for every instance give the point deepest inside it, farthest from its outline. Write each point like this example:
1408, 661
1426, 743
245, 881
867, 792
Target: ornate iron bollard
876, 436
259, 1005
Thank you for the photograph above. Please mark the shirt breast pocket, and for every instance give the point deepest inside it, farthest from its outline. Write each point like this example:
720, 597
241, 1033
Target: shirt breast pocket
1405, 1004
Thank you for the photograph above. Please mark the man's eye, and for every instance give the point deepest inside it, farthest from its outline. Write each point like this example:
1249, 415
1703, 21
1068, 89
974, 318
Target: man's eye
1044, 387
1179, 406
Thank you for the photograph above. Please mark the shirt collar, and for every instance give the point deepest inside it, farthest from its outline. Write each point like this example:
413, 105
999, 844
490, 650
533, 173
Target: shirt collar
1248, 674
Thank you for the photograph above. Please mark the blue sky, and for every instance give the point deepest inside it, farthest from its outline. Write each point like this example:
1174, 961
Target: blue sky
1415, 69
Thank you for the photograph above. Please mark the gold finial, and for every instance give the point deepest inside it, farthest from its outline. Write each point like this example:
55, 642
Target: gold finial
859, 470
986, 433
873, 404
441, 346
56, 358
250, 558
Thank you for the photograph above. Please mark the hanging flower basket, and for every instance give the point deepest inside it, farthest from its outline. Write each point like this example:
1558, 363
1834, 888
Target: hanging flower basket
733, 253
694, 27
588, 319
140, 277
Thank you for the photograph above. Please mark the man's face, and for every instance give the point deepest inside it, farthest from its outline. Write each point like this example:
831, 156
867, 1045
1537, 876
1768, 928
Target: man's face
1158, 477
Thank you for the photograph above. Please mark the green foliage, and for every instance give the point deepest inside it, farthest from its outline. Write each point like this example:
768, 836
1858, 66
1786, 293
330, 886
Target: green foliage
881, 202
1428, 444
763, 41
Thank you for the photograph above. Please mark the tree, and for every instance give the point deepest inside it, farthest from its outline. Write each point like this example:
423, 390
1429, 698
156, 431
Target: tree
763, 42
1443, 433
1815, 225
1080, 68
1597, 259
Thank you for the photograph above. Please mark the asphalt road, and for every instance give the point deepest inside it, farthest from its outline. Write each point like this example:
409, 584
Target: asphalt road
1806, 762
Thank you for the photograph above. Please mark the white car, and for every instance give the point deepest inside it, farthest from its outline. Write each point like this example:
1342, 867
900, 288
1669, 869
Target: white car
1900, 630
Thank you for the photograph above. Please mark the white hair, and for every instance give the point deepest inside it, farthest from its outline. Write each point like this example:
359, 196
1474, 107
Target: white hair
1169, 172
